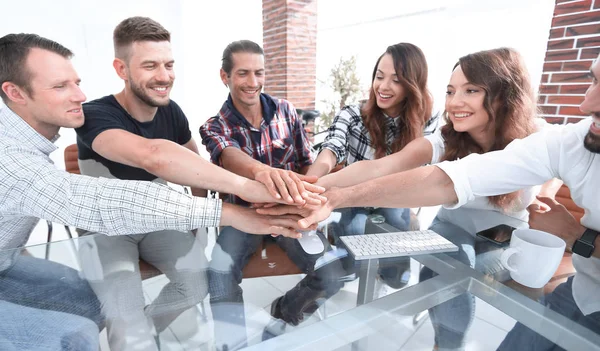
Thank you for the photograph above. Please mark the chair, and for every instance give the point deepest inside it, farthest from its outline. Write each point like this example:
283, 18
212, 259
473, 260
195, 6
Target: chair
269, 260
72, 166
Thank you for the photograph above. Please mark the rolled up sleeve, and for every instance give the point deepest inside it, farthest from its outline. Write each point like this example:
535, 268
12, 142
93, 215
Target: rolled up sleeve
216, 137
337, 137
523, 163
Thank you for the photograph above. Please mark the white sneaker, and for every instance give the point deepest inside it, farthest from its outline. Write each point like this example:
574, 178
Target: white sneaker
274, 328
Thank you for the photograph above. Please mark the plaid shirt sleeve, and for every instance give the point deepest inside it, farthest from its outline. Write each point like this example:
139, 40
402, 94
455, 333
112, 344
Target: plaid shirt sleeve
301, 142
338, 133
432, 124
34, 187
215, 135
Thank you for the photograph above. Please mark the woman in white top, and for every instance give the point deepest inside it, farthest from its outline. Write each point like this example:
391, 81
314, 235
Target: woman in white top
396, 113
489, 103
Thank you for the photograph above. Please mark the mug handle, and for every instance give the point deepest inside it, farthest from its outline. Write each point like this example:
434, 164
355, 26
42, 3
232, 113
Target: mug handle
506, 255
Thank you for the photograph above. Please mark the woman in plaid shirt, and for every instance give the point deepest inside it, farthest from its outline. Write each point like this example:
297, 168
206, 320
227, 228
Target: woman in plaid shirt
398, 109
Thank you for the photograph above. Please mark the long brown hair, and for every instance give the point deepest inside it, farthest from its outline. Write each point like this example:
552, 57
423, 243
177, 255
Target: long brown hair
411, 69
509, 102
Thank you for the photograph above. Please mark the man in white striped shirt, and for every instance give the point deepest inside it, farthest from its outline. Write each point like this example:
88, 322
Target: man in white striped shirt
41, 91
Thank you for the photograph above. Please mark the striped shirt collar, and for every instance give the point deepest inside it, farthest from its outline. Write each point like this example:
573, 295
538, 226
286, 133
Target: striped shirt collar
16, 127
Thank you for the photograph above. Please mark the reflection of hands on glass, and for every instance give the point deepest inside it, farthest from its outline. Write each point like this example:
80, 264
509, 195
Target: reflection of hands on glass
552, 217
290, 187
247, 220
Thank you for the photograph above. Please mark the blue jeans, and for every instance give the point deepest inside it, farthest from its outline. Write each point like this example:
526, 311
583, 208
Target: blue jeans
229, 257
452, 319
560, 300
44, 285
395, 272
30, 329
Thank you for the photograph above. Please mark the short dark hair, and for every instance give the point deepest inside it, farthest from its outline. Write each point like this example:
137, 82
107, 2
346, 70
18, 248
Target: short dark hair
14, 49
235, 47
134, 29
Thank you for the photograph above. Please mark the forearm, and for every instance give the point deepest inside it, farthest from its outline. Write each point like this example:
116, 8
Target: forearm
353, 174
304, 170
424, 186
229, 215
240, 163
112, 206
323, 164
415, 154
152, 207
182, 166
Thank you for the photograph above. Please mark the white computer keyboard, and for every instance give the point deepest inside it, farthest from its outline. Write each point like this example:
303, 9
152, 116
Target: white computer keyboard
395, 244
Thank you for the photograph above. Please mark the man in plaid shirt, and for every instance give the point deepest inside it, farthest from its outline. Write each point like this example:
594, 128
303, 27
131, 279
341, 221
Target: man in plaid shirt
261, 138
41, 91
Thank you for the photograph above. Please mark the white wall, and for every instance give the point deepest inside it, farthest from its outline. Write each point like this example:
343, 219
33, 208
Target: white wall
444, 29
199, 35
206, 33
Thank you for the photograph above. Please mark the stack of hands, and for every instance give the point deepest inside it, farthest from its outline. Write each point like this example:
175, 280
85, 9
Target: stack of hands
283, 202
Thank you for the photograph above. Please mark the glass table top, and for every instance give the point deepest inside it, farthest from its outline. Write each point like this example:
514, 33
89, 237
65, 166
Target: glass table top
358, 317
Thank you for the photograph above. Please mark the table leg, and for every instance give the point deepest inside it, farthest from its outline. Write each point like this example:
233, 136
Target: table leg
366, 293
366, 283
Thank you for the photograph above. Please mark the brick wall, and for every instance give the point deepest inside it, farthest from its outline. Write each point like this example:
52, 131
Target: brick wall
290, 44
573, 44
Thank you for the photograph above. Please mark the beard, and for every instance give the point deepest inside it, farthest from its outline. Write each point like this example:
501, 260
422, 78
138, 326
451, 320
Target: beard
592, 142
139, 92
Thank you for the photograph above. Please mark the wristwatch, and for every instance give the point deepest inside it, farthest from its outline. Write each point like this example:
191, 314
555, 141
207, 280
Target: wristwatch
584, 246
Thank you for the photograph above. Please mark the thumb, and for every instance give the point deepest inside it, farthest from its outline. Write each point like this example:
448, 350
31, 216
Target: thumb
307, 221
309, 179
534, 208
548, 201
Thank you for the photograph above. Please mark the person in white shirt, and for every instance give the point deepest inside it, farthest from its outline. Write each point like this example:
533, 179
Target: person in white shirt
570, 153
475, 123
41, 91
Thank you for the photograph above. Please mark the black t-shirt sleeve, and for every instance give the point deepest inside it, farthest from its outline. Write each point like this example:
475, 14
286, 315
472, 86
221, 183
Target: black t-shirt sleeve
99, 118
183, 133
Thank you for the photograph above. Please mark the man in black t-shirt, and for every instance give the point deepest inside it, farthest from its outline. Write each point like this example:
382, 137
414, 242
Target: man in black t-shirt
140, 134
107, 114
115, 142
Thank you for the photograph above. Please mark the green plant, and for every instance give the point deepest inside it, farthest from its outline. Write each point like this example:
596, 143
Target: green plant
345, 89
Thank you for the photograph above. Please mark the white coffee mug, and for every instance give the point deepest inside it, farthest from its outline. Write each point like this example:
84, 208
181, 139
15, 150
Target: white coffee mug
533, 256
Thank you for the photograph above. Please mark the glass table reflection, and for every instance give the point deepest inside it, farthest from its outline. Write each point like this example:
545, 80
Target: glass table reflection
357, 318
